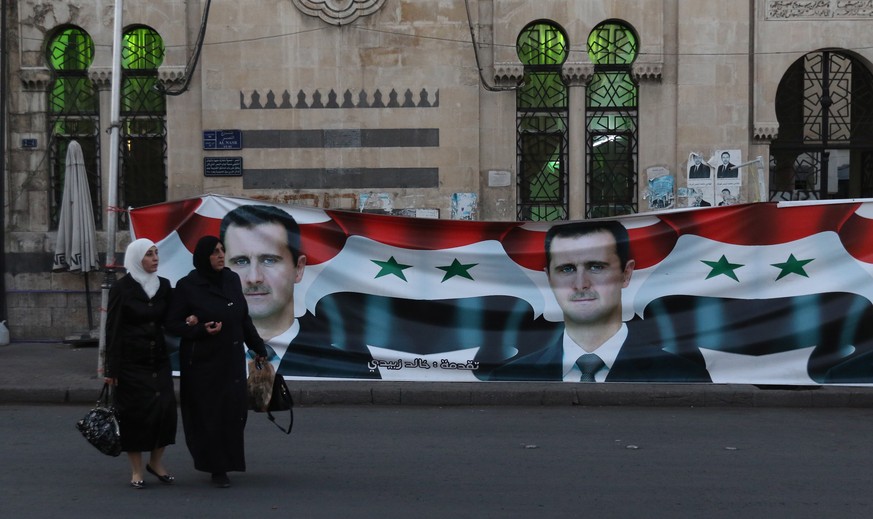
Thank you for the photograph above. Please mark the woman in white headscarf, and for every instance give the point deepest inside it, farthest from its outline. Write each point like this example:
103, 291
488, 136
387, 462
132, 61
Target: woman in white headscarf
137, 362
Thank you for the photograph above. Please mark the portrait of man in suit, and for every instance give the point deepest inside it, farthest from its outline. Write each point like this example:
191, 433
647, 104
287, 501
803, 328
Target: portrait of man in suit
726, 169
263, 247
588, 264
727, 198
699, 169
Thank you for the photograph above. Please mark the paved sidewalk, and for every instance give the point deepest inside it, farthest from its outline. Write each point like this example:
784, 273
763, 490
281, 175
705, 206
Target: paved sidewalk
55, 373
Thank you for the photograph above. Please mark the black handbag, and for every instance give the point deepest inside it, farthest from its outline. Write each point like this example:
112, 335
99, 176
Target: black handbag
279, 399
100, 425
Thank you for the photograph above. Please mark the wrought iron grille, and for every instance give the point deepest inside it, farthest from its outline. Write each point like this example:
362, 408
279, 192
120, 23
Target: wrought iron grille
143, 179
73, 108
541, 125
611, 184
824, 105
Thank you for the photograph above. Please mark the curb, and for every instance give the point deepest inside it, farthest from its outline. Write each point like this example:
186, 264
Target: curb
533, 394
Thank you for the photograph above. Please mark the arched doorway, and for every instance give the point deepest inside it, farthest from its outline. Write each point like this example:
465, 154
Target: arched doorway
824, 105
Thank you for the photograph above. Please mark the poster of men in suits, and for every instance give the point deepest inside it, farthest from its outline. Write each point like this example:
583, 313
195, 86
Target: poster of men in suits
700, 181
728, 177
710, 180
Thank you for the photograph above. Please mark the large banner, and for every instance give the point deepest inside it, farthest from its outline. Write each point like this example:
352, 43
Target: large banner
754, 294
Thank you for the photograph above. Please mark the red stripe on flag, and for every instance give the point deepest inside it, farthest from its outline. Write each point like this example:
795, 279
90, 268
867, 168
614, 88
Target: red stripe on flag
526, 247
419, 233
322, 241
760, 224
855, 235
651, 244
156, 222
196, 227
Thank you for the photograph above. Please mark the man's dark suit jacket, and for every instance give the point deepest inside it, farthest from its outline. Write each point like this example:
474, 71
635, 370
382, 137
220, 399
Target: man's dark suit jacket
699, 171
856, 369
729, 171
640, 360
310, 354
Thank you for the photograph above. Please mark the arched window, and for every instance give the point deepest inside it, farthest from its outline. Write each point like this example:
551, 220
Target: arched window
73, 114
611, 123
541, 124
824, 105
143, 178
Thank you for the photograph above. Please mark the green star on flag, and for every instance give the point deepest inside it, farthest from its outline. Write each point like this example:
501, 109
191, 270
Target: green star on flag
792, 266
391, 267
457, 269
722, 266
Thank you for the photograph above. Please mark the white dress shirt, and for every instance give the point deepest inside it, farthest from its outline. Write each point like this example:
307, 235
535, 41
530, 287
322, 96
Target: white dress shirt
607, 352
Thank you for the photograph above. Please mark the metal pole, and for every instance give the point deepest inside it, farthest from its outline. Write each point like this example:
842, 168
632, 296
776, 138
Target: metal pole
112, 196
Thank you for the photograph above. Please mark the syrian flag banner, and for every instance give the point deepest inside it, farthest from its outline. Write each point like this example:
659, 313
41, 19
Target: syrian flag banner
756, 293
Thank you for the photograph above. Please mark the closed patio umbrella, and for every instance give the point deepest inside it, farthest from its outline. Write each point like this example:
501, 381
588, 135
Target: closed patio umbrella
76, 248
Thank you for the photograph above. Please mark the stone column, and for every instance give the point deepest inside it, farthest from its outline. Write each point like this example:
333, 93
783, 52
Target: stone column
576, 77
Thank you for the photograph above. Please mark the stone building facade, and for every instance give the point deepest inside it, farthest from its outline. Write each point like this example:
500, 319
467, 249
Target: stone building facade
466, 109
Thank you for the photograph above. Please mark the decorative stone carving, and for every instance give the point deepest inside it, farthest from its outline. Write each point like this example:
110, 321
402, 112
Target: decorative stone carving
577, 74
647, 71
167, 75
508, 74
766, 131
334, 99
171, 75
803, 9
101, 77
338, 12
35, 78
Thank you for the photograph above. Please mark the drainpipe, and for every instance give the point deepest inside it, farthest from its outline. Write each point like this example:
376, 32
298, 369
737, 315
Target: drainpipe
4, 67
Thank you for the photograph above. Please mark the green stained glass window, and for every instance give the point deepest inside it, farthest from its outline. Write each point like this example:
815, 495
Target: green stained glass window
141, 55
612, 98
69, 54
70, 49
541, 124
143, 179
612, 44
143, 49
73, 114
612, 89
542, 44
544, 90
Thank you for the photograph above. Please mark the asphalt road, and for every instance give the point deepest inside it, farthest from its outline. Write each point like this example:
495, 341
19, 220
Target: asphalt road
476, 462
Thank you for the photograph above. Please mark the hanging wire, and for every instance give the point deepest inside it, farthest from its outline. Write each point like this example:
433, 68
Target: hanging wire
485, 84
192, 60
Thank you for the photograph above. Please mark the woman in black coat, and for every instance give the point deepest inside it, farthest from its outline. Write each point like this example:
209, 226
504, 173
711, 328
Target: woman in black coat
137, 363
209, 312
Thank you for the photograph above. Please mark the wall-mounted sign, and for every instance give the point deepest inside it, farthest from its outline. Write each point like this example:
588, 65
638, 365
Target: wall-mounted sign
28, 144
222, 166
222, 140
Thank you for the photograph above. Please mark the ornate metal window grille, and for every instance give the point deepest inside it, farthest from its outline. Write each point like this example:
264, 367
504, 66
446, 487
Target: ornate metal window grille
73, 115
824, 105
541, 125
143, 179
611, 123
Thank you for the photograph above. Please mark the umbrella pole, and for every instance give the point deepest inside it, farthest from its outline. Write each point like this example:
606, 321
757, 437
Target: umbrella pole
88, 304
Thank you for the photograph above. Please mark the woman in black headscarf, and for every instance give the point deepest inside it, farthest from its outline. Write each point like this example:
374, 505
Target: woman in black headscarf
209, 312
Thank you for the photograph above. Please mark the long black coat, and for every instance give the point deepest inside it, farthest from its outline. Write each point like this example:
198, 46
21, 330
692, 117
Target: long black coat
136, 356
213, 368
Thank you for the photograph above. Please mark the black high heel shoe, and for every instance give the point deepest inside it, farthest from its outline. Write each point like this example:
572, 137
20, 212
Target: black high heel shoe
166, 478
138, 484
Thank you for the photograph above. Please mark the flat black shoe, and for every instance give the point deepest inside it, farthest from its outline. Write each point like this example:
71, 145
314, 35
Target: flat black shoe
220, 480
138, 484
166, 478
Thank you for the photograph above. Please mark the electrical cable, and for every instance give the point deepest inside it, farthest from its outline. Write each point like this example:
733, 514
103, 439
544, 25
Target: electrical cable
191, 66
